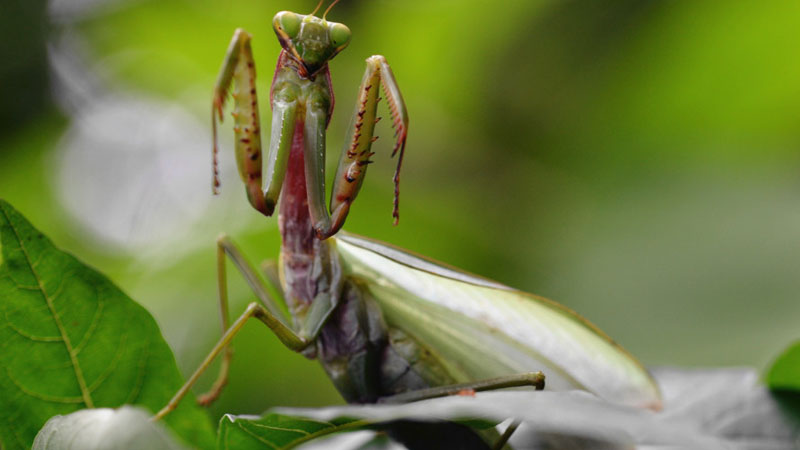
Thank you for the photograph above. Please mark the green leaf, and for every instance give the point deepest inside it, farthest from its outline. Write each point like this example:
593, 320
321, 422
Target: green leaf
785, 372
72, 340
277, 431
105, 429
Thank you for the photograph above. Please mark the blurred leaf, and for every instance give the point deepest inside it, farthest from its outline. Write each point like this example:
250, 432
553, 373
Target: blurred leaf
732, 405
72, 340
785, 371
277, 430
709, 409
24, 72
104, 429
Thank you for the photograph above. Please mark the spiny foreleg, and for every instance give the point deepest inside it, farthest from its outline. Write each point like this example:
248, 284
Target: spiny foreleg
238, 77
357, 151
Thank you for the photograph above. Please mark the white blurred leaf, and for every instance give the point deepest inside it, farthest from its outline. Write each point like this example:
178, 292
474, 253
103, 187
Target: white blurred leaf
126, 428
708, 409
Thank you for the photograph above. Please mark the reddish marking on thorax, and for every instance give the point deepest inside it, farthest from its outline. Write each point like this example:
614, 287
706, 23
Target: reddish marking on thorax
300, 247
294, 219
299, 239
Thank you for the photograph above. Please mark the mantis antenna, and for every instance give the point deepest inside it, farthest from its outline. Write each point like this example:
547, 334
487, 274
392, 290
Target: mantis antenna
329, 9
317, 8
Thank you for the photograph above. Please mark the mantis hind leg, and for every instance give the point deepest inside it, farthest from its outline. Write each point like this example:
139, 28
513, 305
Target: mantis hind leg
533, 379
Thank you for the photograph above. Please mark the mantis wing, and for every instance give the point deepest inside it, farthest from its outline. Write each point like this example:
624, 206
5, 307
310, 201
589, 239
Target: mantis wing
481, 329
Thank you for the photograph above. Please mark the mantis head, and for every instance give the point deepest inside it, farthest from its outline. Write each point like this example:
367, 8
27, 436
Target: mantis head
309, 40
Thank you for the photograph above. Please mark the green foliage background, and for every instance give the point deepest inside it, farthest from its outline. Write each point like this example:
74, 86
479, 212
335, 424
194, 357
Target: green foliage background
637, 161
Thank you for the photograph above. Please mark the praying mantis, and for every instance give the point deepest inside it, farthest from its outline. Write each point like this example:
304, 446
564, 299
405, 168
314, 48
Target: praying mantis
387, 325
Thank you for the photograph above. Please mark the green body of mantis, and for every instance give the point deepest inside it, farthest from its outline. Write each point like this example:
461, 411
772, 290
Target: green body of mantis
386, 325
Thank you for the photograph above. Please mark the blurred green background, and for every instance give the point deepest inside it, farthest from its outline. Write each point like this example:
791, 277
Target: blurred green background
635, 160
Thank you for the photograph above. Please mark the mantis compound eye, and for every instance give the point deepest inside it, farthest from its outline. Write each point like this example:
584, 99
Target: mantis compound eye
340, 36
286, 23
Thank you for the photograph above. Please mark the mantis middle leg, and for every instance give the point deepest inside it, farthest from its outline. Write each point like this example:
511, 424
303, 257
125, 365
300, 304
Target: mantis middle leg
270, 314
226, 247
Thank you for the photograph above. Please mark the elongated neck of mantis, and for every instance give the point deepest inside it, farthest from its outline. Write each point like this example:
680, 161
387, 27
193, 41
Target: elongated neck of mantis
300, 246
294, 220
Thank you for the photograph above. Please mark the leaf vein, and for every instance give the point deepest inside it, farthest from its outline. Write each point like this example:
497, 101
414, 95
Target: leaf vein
60, 289
321, 422
87, 399
270, 427
137, 386
111, 366
30, 336
257, 437
26, 287
39, 395
334, 429
92, 326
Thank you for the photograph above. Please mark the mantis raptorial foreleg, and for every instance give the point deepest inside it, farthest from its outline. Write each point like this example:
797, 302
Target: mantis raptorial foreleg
238, 70
356, 151
301, 108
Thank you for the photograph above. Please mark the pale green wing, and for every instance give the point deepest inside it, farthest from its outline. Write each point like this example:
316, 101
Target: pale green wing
481, 329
